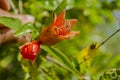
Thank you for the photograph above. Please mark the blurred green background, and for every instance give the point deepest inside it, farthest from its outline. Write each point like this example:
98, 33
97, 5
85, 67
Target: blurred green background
97, 19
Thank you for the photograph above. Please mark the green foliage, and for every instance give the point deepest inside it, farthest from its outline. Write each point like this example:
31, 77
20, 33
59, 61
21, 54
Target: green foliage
27, 28
113, 74
11, 22
59, 55
20, 29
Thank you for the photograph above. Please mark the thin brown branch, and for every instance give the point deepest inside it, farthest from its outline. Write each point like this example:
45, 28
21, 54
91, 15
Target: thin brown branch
13, 7
109, 37
20, 6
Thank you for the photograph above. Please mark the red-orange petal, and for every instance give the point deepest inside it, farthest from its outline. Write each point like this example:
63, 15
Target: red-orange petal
69, 35
72, 22
66, 27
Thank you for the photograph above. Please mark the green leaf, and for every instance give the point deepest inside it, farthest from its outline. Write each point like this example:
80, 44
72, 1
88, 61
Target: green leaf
23, 30
112, 74
86, 56
58, 54
63, 59
32, 70
20, 29
59, 8
12, 23
27, 28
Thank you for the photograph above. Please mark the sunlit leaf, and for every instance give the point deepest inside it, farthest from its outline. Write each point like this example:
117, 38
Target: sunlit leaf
86, 56
12, 23
27, 28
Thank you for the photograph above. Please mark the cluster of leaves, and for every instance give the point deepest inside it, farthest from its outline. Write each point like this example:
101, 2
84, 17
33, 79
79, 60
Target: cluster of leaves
67, 61
113, 74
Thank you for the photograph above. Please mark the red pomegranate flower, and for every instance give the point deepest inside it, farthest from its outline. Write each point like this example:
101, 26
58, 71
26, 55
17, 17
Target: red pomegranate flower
30, 50
59, 29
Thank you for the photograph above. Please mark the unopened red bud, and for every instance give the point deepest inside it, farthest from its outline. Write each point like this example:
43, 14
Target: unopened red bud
30, 50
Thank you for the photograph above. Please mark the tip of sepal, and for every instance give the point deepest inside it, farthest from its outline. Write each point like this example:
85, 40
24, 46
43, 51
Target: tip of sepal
61, 15
55, 17
60, 18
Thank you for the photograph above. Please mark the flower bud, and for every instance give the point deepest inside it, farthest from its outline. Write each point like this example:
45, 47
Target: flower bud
30, 50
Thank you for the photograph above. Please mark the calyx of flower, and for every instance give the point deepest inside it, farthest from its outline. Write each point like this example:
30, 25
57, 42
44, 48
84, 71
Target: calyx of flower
59, 29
